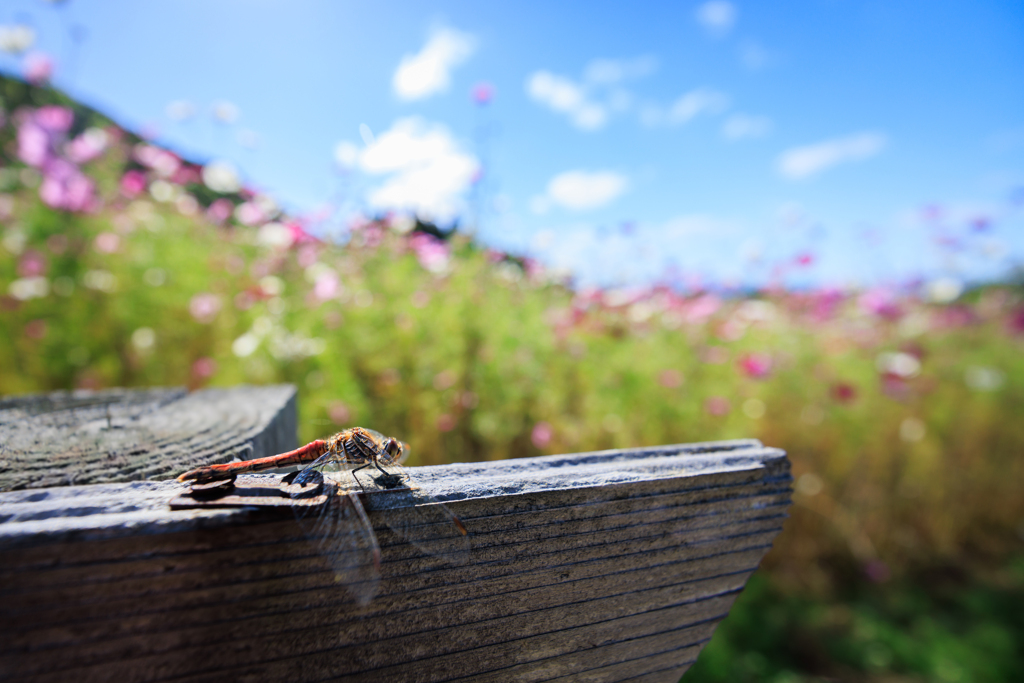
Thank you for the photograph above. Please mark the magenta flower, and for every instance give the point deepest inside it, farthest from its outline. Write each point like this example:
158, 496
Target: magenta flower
756, 365
299, 234
204, 307
541, 434
133, 183
65, 187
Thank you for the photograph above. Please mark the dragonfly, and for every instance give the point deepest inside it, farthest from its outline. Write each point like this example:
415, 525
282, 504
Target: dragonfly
340, 527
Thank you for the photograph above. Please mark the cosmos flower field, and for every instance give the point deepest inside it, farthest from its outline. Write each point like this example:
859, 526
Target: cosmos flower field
122, 264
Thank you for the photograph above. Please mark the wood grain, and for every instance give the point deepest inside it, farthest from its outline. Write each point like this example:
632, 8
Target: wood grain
589, 567
115, 435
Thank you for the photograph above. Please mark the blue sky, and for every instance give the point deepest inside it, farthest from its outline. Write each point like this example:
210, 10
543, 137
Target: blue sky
717, 141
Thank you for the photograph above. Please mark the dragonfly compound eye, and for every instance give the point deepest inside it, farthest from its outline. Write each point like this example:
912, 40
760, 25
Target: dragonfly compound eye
393, 448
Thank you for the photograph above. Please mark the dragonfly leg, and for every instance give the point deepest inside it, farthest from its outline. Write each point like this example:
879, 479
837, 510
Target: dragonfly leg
357, 478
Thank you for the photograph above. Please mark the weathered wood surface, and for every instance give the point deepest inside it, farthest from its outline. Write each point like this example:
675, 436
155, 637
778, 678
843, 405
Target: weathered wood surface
590, 567
87, 437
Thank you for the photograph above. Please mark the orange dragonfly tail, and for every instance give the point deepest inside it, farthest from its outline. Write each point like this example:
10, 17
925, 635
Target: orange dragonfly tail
307, 453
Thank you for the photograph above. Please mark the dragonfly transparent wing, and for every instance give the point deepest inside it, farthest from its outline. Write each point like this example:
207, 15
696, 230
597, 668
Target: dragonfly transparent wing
338, 529
417, 517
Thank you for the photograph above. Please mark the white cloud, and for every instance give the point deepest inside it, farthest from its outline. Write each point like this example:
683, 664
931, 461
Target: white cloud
565, 96
612, 71
582, 190
739, 126
589, 103
800, 162
428, 172
717, 16
696, 102
346, 154
429, 72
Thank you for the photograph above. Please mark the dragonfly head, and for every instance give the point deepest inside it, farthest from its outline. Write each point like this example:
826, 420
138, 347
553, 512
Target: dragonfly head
393, 448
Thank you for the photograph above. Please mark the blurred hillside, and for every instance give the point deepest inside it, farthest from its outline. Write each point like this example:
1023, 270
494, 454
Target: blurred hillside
123, 264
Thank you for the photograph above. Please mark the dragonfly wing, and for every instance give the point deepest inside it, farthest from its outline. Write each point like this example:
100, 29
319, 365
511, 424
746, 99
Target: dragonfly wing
422, 521
341, 532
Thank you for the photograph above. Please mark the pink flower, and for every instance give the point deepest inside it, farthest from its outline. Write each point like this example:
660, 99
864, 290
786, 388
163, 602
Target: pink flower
38, 68
165, 163
431, 252
34, 144
299, 234
326, 287
87, 146
756, 365
717, 405
54, 119
248, 213
843, 392
204, 368
805, 259
541, 435
670, 379
107, 242
65, 187
220, 210
186, 175
1016, 321
880, 302
702, 308
445, 423
133, 183
204, 307
31, 264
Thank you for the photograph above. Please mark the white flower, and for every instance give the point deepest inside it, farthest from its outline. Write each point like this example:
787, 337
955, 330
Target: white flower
245, 345
221, 176
16, 38
943, 290
29, 288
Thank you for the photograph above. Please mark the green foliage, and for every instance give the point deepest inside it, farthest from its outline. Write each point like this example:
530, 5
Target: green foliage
941, 628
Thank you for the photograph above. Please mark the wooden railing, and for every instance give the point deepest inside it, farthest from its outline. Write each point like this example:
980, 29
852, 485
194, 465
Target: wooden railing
592, 566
